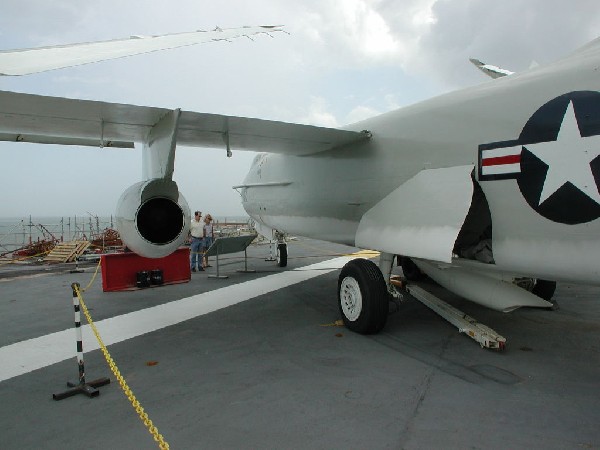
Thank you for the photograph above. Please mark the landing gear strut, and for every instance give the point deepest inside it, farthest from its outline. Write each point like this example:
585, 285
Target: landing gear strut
544, 289
278, 246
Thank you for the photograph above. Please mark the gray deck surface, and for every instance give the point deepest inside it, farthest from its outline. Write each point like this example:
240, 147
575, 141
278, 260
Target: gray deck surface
266, 374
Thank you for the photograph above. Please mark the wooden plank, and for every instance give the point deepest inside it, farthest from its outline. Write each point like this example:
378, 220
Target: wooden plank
67, 251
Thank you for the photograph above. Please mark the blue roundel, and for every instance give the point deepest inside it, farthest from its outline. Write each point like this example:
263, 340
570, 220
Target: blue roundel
560, 158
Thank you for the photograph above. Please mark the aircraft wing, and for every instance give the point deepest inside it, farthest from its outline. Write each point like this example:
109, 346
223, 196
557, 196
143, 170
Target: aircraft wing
58, 120
26, 61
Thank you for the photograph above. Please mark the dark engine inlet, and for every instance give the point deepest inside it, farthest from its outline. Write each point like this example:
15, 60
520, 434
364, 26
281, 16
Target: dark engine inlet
160, 220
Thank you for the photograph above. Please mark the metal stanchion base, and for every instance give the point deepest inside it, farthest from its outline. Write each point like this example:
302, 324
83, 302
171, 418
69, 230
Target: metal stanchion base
246, 271
218, 276
88, 389
76, 269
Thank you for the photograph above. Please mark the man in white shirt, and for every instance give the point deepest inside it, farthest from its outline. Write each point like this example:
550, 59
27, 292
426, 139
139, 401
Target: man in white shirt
196, 232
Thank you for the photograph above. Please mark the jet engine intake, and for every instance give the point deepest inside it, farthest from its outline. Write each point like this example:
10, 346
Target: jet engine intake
153, 218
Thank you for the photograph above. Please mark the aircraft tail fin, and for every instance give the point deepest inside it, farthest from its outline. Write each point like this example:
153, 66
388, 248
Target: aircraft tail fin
489, 70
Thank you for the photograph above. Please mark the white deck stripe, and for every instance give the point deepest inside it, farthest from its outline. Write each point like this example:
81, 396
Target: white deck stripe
26, 356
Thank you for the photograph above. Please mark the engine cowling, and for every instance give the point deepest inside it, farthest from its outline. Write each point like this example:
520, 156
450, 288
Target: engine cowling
153, 218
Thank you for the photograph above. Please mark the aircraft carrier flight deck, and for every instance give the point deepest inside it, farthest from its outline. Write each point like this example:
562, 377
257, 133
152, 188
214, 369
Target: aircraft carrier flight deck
259, 360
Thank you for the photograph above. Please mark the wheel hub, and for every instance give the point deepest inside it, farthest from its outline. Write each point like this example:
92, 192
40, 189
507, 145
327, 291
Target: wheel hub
350, 298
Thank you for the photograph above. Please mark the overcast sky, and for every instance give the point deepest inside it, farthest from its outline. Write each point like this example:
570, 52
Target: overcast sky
343, 61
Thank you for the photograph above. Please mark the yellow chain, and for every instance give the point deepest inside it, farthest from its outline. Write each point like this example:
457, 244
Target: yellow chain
93, 277
163, 445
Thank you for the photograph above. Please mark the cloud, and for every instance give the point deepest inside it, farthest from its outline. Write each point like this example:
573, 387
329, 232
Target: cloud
318, 114
361, 113
510, 33
343, 61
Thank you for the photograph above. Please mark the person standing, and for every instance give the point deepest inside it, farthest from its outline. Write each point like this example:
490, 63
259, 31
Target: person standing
208, 233
196, 233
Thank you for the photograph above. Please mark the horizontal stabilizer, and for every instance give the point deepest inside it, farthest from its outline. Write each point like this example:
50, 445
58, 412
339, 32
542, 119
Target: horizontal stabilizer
27, 61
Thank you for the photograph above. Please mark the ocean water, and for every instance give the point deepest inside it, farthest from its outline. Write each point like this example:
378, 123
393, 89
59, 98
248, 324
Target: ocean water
16, 232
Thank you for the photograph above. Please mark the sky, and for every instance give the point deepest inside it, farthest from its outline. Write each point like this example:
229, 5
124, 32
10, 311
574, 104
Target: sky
341, 61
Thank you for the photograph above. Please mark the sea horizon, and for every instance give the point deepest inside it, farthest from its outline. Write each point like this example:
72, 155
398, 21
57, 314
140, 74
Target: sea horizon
15, 232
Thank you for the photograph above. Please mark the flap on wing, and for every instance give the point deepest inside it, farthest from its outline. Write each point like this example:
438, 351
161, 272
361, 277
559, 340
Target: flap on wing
242, 133
36, 118
32, 138
421, 218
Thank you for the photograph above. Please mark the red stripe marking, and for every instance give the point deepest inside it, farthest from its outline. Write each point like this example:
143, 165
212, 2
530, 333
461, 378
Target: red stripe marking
501, 160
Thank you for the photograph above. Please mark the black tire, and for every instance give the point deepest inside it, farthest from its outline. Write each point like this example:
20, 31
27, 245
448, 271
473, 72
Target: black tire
544, 289
362, 297
410, 270
282, 255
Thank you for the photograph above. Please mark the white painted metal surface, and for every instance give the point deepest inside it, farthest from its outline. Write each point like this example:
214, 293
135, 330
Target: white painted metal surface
483, 334
422, 217
26, 61
158, 156
351, 298
490, 70
126, 217
481, 286
56, 119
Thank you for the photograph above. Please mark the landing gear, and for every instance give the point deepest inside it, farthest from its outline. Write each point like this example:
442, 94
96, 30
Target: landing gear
278, 246
409, 269
363, 297
544, 289
282, 255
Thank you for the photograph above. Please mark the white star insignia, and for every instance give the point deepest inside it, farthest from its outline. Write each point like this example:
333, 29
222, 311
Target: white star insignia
568, 159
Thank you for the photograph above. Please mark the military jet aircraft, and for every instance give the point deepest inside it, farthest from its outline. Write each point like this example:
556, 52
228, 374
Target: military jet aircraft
475, 188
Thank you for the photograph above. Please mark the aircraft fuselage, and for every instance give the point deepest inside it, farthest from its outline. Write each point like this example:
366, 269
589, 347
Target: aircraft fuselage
531, 139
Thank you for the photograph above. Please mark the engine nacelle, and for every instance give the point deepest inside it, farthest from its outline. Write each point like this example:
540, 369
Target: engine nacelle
153, 218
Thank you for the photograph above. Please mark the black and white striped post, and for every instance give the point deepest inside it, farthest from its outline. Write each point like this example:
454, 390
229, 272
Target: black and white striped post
81, 387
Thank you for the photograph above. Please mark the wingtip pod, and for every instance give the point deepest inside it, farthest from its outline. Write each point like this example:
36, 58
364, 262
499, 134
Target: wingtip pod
34, 60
